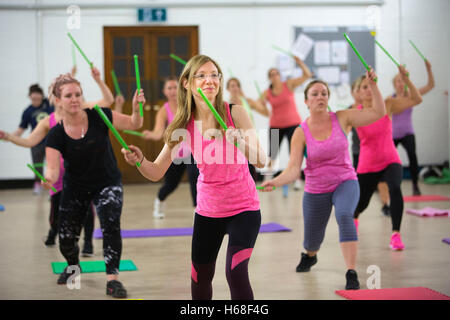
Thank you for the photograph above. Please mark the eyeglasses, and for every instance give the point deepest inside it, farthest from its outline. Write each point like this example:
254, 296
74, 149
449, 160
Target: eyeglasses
213, 76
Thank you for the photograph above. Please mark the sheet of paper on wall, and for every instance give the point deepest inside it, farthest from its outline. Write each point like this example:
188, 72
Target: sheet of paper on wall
329, 74
339, 52
302, 46
285, 64
322, 52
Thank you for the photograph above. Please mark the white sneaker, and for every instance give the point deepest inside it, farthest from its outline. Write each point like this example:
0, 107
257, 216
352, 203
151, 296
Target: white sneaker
37, 188
157, 212
298, 184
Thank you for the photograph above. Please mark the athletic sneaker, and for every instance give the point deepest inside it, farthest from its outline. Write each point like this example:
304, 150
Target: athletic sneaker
64, 276
157, 209
306, 263
396, 242
88, 250
37, 188
298, 184
352, 280
51, 239
386, 210
50, 242
416, 190
115, 289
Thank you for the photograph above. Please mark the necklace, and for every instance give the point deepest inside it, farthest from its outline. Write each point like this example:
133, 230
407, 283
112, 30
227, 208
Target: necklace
82, 128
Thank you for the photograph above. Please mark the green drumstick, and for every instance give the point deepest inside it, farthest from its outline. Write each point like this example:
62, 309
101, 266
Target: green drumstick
136, 133
116, 83
213, 110
79, 49
40, 176
113, 130
283, 51
138, 83
417, 49
262, 188
387, 53
257, 89
177, 58
358, 54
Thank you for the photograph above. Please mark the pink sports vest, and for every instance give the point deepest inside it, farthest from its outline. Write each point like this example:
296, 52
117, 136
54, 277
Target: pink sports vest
377, 149
183, 152
328, 162
284, 111
225, 186
58, 184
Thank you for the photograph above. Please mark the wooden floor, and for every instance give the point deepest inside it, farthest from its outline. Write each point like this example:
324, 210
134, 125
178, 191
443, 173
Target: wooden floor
164, 263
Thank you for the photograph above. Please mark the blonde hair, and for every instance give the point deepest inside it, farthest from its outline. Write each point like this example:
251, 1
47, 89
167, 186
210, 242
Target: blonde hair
55, 87
357, 83
185, 98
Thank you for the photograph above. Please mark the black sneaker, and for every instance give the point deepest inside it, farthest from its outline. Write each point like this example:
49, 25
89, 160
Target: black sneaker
115, 289
64, 276
51, 238
88, 250
386, 210
306, 263
50, 242
352, 280
416, 190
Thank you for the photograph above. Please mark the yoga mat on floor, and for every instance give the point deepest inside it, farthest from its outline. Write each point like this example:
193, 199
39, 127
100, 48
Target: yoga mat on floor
94, 266
429, 212
446, 240
413, 293
425, 198
174, 232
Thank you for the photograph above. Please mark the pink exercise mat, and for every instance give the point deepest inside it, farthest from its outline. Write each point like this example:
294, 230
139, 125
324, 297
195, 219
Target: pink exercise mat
425, 198
429, 212
413, 293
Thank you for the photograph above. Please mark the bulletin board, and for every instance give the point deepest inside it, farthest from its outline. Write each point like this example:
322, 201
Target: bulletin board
328, 55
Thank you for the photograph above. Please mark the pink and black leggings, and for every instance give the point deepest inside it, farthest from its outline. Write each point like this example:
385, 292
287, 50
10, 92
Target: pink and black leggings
208, 234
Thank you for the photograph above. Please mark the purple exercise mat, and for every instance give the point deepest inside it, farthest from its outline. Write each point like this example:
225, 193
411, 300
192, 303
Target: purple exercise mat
446, 240
174, 232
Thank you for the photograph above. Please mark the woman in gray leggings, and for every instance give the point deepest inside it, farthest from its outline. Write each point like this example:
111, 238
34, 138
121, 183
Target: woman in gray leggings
330, 176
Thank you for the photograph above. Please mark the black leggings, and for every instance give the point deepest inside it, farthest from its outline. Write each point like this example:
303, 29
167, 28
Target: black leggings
173, 177
54, 219
208, 234
368, 182
73, 208
274, 146
409, 143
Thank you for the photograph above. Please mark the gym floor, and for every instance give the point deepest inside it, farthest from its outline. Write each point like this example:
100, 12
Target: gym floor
164, 263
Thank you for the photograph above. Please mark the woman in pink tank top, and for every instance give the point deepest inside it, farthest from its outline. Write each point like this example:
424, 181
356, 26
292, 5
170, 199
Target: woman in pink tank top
330, 176
184, 161
284, 116
378, 159
227, 200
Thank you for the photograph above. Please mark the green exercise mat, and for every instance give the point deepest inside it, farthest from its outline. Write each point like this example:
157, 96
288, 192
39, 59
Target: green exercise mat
94, 266
439, 180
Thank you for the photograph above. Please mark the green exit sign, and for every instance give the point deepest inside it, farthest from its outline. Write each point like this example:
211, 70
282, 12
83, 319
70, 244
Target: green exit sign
152, 15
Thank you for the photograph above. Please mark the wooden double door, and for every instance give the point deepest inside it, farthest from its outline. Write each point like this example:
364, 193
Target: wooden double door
153, 45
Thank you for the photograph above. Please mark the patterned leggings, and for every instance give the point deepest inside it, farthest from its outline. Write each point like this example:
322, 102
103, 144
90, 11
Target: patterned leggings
73, 208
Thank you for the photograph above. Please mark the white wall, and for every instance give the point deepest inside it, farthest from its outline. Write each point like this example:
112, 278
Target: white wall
240, 39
